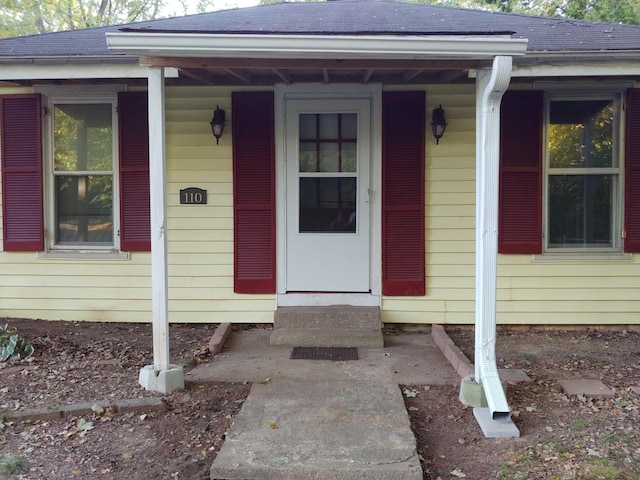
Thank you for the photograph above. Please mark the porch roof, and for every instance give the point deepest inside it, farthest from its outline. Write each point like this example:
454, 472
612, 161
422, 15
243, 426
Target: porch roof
549, 40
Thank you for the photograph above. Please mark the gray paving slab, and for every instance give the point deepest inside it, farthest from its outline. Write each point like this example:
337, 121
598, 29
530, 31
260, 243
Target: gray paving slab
587, 388
320, 429
319, 419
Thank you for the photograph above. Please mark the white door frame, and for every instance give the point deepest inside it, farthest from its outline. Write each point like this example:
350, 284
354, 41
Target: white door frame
283, 93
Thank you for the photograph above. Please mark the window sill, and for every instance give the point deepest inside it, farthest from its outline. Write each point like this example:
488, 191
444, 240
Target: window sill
582, 257
84, 255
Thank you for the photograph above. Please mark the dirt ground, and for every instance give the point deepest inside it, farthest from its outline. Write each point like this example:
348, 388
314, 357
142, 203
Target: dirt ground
561, 438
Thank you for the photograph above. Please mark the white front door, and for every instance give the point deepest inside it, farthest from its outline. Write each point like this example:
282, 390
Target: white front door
328, 151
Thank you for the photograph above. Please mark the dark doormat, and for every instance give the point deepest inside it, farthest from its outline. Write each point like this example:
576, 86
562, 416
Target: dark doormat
324, 353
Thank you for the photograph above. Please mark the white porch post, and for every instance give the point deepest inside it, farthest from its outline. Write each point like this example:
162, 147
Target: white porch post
490, 86
161, 376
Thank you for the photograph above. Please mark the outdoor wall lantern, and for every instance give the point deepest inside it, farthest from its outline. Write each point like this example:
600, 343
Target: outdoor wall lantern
438, 123
217, 123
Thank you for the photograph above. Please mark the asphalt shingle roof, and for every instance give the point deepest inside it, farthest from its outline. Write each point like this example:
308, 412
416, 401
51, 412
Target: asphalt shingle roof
348, 17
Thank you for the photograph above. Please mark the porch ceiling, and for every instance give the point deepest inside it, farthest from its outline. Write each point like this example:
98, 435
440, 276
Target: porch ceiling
247, 71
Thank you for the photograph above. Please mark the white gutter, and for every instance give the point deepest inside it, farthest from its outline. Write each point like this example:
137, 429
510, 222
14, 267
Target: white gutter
607, 68
314, 46
491, 85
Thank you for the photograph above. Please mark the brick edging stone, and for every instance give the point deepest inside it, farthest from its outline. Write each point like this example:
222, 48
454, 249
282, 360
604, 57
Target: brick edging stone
458, 360
129, 405
219, 337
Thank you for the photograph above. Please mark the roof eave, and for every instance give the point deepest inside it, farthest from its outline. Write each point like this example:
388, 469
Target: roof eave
74, 68
315, 46
595, 63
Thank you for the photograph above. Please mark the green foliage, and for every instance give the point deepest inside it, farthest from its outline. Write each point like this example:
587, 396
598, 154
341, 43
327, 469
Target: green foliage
13, 465
13, 345
28, 17
614, 11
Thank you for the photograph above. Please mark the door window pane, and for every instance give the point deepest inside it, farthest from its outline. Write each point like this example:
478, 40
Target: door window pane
327, 204
329, 158
328, 126
328, 142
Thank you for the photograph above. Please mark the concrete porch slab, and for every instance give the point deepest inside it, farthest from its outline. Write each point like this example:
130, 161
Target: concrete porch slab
407, 358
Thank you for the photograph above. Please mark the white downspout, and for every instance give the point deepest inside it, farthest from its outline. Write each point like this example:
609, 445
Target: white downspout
490, 86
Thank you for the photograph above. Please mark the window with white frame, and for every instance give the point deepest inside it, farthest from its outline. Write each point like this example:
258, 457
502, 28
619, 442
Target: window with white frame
582, 174
82, 184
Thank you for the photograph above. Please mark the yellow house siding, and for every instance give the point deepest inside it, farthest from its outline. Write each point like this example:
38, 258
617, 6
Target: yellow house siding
75, 290
200, 242
200, 245
529, 291
200, 237
450, 216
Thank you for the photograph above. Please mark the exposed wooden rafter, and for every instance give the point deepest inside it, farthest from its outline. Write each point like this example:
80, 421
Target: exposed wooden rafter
265, 71
282, 75
197, 75
241, 76
410, 75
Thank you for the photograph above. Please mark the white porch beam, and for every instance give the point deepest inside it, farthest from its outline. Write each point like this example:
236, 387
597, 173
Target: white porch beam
161, 376
66, 71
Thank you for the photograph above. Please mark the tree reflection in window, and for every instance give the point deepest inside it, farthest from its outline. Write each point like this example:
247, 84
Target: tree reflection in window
582, 174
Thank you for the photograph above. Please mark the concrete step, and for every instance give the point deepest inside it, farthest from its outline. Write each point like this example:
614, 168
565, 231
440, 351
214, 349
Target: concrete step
334, 326
345, 317
337, 337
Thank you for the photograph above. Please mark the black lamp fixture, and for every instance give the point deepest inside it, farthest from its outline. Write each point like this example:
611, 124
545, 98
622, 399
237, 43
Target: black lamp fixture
438, 123
217, 123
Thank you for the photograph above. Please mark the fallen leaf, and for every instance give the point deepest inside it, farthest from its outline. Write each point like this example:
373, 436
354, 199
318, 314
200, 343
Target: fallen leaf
458, 473
593, 453
273, 426
409, 393
83, 426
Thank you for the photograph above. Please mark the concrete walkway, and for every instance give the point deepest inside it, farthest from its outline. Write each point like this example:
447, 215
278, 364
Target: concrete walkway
318, 419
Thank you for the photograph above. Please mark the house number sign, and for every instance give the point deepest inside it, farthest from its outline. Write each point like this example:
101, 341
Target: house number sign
193, 196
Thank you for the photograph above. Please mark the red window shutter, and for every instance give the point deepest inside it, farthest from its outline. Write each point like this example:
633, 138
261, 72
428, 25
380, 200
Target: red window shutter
403, 156
20, 131
254, 192
632, 173
135, 209
520, 204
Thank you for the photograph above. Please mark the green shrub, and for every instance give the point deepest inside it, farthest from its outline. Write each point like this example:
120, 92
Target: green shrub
13, 465
13, 345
